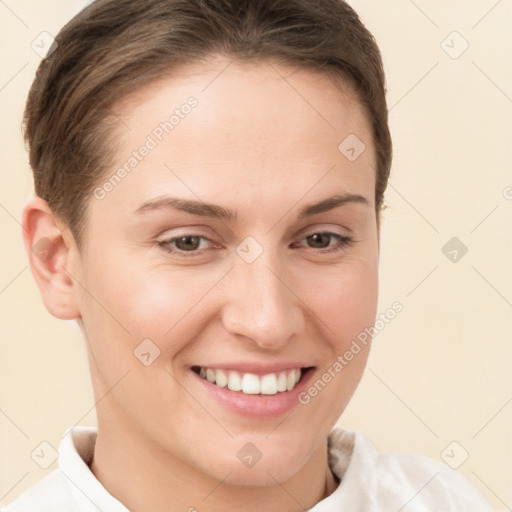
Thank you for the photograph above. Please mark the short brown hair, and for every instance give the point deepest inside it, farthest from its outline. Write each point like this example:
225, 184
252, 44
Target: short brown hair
114, 47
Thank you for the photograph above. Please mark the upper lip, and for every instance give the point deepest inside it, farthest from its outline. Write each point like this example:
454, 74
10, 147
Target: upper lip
255, 368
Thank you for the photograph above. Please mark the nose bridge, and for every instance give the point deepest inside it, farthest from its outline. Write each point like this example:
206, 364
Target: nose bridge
260, 305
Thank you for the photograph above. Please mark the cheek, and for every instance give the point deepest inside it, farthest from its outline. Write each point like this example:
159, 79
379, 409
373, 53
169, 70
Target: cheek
127, 303
346, 303
346, 300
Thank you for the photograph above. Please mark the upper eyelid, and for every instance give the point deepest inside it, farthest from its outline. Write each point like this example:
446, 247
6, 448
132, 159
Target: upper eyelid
305, 232
304, 235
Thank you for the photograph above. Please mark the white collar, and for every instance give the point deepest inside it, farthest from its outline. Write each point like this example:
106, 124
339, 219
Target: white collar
76, 451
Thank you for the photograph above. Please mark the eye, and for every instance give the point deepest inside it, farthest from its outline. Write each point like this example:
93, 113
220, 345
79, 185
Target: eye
192, 245
181, 245
322, 240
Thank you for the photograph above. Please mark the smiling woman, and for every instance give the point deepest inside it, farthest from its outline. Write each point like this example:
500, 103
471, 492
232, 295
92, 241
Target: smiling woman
224, 284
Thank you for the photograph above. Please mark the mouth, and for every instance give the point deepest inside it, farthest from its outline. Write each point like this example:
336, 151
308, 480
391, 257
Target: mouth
251, 383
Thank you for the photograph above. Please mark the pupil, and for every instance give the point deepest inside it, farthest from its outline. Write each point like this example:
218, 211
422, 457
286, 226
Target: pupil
186, 242
318, 237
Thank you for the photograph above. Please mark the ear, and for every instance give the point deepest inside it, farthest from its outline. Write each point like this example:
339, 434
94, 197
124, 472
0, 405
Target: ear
50, 254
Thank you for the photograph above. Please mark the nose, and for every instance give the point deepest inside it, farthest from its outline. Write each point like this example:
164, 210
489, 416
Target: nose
261, 304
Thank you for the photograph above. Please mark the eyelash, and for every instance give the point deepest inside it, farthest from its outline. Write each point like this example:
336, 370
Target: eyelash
344, 241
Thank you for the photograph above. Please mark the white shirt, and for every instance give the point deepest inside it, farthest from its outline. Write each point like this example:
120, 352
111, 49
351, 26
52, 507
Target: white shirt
371, 481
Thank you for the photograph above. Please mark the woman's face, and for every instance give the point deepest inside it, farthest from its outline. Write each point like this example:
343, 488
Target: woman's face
205, 252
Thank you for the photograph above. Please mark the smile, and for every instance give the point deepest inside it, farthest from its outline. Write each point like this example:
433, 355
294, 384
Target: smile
250, 383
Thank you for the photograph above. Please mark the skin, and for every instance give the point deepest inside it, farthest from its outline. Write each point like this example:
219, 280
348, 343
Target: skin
255, 145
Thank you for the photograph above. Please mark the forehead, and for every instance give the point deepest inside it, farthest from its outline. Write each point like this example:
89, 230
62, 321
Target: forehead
257, 130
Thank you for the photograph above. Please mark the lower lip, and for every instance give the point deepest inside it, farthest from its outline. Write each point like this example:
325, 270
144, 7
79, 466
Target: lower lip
257, 406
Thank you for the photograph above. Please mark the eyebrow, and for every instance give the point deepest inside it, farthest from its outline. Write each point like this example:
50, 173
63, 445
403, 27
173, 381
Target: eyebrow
225, 214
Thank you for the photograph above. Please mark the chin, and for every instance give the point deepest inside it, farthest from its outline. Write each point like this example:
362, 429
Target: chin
260, 475
258, 462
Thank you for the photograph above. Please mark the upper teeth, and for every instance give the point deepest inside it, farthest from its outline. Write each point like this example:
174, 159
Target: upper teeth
250, 383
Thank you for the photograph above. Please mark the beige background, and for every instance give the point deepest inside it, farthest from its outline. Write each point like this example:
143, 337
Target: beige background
440, 371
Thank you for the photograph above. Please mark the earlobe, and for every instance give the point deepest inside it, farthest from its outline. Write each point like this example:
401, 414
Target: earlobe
49, 256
